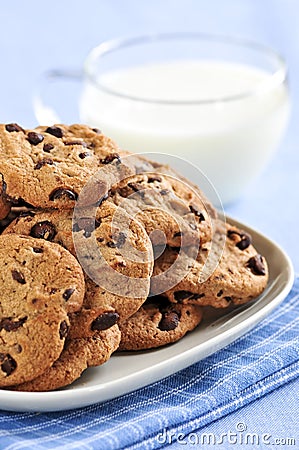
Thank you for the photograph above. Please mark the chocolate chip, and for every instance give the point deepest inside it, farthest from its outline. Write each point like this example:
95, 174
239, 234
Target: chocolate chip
164, 191
53, 291
88, 224
84, 155
63, 330
124, 191
43, 162
8, 364
197, 213
100, 239
67, 293
37, 250
245, 238
256, 264
35, 138
10, 127
55, 131
220, 293
82, 143
153, 179
96, 130
182, 295
178, 234
121, 263
118, 240
44, 230
18, 276
244, 242
169, 321
11, 324
136, 187
63, 192
104, 321
48, 147
110, 158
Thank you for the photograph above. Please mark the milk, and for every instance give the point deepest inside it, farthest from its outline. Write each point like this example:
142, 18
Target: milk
229, 140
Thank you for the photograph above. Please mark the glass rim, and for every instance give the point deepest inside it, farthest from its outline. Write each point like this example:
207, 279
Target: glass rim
278, 77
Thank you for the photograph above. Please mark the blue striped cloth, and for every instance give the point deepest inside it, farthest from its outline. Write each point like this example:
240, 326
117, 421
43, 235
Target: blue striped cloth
254, 365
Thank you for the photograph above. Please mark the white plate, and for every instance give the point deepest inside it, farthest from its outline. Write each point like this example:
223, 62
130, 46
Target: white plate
124, 373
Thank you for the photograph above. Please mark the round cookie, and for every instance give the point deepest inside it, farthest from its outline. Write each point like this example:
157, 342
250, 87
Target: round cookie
48, 166
240, 274
157, 323
117, 247
40, 283
171, 213
78, 355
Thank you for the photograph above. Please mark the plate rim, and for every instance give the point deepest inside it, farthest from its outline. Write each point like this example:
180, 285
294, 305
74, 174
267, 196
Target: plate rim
73, 398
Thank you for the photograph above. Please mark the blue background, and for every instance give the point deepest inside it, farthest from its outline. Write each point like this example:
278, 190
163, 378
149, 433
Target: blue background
36, 36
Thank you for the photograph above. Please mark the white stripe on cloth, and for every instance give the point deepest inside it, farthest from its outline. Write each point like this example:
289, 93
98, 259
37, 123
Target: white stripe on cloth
278, 313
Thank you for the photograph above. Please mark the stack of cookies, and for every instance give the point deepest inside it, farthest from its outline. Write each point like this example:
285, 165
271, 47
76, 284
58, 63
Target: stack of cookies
102, 250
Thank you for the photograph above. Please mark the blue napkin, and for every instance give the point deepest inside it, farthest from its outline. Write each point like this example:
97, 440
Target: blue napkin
259, 362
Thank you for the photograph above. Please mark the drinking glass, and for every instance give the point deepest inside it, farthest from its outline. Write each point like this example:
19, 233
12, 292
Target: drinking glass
219, 103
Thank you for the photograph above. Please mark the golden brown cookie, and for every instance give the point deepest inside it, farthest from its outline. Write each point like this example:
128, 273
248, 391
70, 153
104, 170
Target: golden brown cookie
171, 213
240, 274
40, 284
158, 322
113, 249
78, 355
48, 166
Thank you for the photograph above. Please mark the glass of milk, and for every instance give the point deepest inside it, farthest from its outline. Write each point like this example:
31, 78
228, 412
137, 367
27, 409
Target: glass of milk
220, 103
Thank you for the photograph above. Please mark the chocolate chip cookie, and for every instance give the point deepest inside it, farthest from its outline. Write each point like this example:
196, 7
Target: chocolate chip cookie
40, 284
171, 213
48, 166
114, 250
240, 276
157, 323
78, 355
